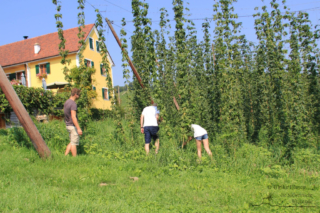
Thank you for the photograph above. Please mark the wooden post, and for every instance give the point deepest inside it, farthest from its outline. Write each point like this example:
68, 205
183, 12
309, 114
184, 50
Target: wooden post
130, 62
23, 116
128, 59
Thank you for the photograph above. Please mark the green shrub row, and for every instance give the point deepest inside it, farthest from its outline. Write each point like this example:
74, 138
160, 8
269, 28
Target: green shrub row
45, 102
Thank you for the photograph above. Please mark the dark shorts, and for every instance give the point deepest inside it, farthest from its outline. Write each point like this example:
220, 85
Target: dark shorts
150, 132
200, 138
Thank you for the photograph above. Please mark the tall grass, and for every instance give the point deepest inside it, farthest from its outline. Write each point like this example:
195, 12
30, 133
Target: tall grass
172, 181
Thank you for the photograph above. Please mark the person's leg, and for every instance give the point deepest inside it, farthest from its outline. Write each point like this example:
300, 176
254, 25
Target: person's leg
199, 148
74, 150
68, 149
155, 136
147, 138
157, 144
74, 141
206, 147
146, 147
69, 145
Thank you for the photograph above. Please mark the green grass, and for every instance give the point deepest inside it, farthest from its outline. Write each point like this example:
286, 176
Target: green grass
124, 99
172, 181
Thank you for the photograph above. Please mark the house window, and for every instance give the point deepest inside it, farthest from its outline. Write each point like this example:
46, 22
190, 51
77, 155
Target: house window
43, 68
91, 43
88, 63
16, 76
105, 93
103, 70
97, 45
11, 76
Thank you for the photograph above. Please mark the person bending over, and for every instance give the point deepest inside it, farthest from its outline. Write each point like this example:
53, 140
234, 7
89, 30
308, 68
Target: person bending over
201, 136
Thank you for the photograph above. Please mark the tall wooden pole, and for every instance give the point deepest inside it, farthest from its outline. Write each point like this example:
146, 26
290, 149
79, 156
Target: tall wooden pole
23, 116
122, 49
130, 62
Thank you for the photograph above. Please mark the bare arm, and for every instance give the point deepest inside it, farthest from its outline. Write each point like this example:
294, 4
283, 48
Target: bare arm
141, 124
75, 121
186, 142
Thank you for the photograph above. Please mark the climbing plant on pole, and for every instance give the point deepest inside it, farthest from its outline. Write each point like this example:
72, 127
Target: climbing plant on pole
181, 68
143, 56
229, 107
63, 52
105, 65
82, 75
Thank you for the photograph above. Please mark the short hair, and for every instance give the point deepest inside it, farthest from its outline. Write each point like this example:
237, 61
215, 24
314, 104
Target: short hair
75, 91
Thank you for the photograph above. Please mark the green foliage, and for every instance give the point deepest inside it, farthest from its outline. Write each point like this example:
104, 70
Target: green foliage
306, 158
58, 102
104, 52
242, 181
32, 99
143, 57
100, 114
266, 94
63, 52
274, 172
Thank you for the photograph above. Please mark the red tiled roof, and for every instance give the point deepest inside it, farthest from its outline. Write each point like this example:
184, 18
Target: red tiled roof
23, 51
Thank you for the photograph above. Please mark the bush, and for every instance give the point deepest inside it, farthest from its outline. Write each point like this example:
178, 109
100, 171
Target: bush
100, 114
32, 99
58, 103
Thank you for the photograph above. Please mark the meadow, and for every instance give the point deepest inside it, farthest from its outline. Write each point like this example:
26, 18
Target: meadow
249, 179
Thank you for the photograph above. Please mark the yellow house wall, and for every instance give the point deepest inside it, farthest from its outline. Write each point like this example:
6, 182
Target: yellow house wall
99, 81
56, 70
14, 69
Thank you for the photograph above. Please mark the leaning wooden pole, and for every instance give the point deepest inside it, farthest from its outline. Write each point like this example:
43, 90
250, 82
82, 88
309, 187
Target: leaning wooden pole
122, 49
130, 62
23, 116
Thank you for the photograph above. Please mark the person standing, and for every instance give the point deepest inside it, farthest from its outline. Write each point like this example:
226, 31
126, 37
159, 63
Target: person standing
149, 126
71, 120
201, 135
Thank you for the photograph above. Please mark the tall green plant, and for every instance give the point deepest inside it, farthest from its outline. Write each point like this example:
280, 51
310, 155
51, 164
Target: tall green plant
143, 55
229, 103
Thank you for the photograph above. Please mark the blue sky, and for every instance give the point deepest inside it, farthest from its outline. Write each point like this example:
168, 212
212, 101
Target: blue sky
36, 17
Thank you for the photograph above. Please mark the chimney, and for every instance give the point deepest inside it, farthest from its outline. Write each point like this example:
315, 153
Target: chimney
25, 37
36, 48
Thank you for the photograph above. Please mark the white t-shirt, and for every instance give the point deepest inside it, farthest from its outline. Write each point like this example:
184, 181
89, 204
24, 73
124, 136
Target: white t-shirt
198, 130
149, 114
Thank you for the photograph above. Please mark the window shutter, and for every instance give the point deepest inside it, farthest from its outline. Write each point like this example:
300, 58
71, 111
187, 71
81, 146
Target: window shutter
85, 62
108, 94
37, 69
12, 76
92, 64
101, 69
97, 44
94, 88
48, 68
91, 43
102, 93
